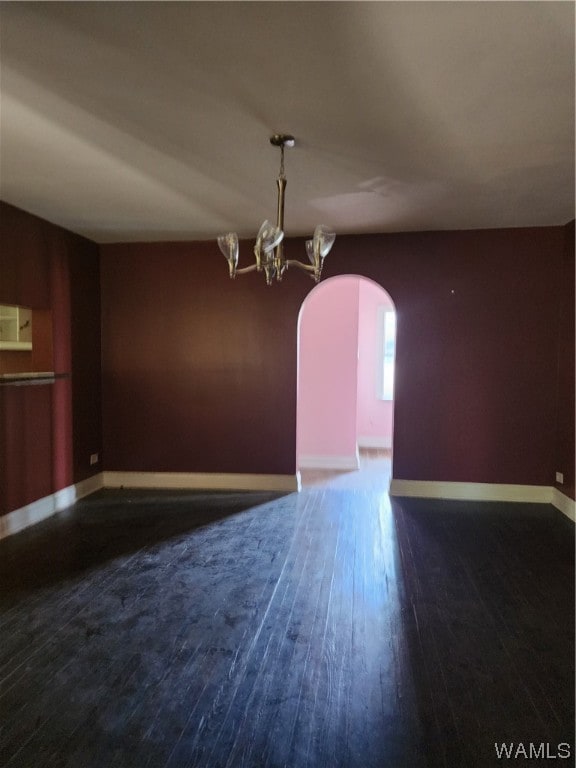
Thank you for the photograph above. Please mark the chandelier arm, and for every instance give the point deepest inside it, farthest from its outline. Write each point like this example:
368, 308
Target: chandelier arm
300, 265
244, 270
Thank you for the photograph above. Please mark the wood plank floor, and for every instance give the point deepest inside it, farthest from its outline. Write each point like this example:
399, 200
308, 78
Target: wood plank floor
323, 629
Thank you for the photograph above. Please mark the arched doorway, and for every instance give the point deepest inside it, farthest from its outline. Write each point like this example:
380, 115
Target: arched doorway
345, 370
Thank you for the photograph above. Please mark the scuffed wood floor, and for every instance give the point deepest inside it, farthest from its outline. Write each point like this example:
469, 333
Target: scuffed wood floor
321, 629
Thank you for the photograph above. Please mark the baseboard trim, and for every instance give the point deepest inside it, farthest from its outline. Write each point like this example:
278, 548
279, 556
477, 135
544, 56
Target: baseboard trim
541, 494
564, 503
329, 462
535, 494
367, 441
39, 510
206, 481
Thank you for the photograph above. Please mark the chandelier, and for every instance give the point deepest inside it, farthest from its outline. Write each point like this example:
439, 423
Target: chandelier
269, 248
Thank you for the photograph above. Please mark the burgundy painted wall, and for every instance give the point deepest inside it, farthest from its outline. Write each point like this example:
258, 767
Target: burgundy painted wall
26, 445
85, 349
476, 344
199, 372
44, 428
566, 428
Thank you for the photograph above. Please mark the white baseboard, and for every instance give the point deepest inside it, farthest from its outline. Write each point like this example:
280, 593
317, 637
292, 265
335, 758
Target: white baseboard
366, 441
471, 491
535, 494
564, 503
329, 462
39, 510
207, 481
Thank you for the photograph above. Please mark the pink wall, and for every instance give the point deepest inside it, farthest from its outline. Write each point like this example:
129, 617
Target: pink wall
374, 416
337, 375
327, 374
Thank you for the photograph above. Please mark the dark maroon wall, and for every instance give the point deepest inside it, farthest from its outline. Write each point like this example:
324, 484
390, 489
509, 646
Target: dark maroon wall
564, 454
199, 372
44, 429
477, 344
26, 456
84, 271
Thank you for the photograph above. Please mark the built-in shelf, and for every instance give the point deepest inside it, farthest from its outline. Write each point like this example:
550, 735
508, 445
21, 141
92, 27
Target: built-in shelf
20, 346
37, 377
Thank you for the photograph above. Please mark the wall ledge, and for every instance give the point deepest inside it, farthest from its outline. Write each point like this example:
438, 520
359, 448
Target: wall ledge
535, 494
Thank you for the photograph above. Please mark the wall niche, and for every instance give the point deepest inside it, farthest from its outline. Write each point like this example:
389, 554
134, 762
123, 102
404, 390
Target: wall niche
25, 340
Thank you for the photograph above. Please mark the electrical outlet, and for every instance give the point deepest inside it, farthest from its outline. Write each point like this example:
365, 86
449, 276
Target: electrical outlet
559, 477
93, 459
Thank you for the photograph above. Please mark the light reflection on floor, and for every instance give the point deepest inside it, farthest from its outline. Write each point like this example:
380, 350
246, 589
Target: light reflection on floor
374, 473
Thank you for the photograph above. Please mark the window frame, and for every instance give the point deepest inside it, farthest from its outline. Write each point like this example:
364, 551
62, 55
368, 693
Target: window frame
385, 385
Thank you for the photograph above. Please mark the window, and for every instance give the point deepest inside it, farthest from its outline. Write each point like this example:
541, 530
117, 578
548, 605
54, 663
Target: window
386, 353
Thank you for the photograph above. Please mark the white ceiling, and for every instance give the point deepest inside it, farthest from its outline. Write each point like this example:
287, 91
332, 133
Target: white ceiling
151, 121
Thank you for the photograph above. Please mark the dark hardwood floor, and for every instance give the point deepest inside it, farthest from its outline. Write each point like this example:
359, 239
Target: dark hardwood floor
323, 629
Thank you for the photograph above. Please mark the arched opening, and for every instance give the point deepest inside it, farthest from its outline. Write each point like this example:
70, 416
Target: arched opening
345, 397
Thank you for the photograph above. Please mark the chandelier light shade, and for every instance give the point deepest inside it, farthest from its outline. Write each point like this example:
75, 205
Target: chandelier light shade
269, 248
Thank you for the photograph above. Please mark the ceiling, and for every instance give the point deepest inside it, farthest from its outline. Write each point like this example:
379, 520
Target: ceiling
151, 121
